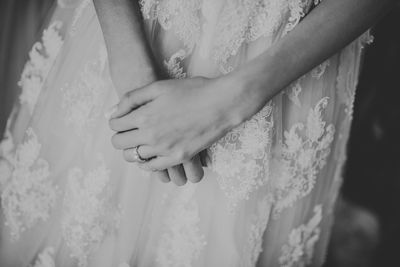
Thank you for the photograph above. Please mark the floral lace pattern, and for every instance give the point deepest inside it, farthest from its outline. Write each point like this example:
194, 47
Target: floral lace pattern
245, 21
82, 99
303, 154
29, 194
46, 258
173, 66
182, 16
182, 242
294, 91
6, 157
78, 14
300, 248
297, 11
41, 58
320, 69
87, 206
258, 226
241, 158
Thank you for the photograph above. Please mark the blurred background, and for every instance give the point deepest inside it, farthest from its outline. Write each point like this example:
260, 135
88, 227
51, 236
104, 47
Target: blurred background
367, 226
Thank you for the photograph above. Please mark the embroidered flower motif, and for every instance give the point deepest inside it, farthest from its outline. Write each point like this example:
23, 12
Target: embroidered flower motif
366, 39
259, 223
303, 154
29, 194
241, 158
6, 157
320, 69
173, 65
77, 15
46, 258
41, 58
82, 99
88, 211
300, 248
297, 11
317, 2
293, 93
245, 21
182, 241
181, 16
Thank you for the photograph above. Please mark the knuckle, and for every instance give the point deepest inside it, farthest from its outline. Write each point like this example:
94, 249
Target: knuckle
152, 137
141, 119
181, 155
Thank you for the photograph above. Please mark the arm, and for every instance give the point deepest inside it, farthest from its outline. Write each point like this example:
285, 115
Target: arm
329, 27
132, 66
197, 112
130, 58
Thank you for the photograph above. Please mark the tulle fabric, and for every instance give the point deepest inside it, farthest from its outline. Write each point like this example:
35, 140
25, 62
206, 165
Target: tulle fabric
69, 199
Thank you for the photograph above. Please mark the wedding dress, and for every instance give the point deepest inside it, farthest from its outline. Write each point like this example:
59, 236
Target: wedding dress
69, 199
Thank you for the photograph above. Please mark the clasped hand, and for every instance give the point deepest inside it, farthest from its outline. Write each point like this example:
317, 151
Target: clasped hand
171, 121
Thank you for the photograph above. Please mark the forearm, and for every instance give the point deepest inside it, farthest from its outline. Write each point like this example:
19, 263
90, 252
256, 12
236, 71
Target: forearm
129, 54
328, 28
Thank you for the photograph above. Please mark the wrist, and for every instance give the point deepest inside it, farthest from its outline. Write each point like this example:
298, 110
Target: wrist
249, 92
127, 77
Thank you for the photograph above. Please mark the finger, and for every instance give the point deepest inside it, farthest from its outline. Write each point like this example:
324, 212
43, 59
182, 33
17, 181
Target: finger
162, 176
204, 158
134, 99
148, 152
193, 170
130, 121
129, 139
177, 175
158, 163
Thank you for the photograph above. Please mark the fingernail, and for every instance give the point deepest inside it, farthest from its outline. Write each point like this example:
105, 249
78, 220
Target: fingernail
109, 114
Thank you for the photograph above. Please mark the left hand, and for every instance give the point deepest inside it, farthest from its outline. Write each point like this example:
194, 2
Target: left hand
173, 120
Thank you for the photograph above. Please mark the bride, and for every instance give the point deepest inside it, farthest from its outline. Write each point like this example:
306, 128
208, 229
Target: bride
245, 104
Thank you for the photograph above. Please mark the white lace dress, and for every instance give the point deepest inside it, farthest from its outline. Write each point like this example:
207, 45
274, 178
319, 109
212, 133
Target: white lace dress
69, 199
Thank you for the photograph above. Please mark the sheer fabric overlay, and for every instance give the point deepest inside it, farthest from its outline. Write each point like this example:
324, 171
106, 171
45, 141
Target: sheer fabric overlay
69, 199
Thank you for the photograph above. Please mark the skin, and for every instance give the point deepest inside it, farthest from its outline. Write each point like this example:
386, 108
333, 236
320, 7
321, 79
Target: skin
132, 66
173, 120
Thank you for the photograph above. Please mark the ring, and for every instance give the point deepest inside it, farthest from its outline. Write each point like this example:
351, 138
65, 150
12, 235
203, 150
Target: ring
138, 157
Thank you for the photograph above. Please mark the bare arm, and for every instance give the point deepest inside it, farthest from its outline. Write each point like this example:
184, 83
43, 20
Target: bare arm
228, 101
130, 57
132, 66
328, 28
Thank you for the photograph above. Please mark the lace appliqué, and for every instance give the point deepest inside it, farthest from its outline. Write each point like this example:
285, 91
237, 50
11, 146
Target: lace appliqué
46, 258
320, 69
257, 229
241, 158
82, 100
6, 157
88, 211
29, 194
245, 21
303, 154
182, 16
293, 93
173, 65
183, 242
41, 58
300, 248
77, 15
297, 11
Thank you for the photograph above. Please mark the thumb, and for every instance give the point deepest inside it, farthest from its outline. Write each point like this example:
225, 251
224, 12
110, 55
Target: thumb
134, 99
